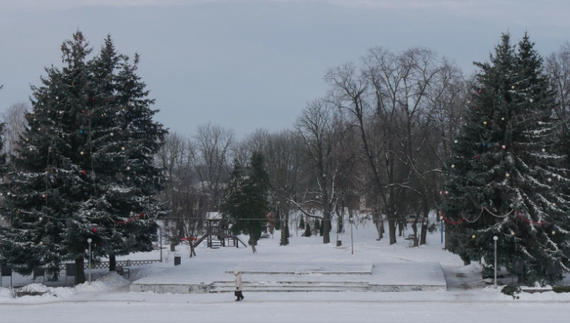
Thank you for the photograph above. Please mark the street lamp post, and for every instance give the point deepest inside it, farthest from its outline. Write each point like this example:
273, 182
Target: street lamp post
351, 238
160, 240
495, 238
337, 222
441, 228
89, 242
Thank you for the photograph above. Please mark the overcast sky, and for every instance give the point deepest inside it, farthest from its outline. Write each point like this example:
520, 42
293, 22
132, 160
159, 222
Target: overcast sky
249, 64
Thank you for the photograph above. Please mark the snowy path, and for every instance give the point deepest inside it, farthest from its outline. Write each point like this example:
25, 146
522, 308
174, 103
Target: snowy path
316, 308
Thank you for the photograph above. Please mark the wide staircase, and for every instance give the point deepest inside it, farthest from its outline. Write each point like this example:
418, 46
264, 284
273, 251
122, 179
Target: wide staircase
298, 278
291, 276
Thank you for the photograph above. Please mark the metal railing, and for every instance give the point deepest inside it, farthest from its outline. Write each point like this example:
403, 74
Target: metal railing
124, 263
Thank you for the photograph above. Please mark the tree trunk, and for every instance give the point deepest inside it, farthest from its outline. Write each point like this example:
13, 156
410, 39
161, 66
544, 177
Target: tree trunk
446, 236
80, 275
112, 262
425, 224
340, 221
392, 230
252, 243
326, 224
377, 220
285, 230
425, 220
415, 229
379, 228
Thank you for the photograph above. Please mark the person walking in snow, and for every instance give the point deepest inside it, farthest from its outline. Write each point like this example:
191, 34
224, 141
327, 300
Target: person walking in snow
239, 286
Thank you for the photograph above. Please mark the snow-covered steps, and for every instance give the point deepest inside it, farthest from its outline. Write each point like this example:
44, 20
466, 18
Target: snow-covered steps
300, 268
296, 277
291, 286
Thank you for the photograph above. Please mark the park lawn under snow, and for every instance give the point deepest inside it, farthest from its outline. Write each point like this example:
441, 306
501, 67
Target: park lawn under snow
107, 298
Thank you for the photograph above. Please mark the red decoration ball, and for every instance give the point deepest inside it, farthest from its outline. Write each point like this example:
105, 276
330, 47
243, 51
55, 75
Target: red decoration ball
480, 91
476, 156
94, 230
83, 172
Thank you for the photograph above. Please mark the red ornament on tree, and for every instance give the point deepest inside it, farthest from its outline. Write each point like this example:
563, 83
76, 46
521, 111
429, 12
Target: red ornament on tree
476, 156
480, 91
94, 230
83, 172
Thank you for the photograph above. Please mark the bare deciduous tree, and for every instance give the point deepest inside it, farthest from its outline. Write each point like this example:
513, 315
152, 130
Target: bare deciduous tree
322, 132
15, 122
212, 159
558, 68
390, 101
173, 158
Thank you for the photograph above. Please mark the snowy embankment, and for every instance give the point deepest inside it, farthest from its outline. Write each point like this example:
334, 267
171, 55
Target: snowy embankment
107, 299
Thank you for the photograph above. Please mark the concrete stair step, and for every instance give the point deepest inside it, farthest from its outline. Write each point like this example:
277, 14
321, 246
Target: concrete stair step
290, 286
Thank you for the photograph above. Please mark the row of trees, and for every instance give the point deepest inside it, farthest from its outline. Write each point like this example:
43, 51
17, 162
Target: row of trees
382, 138
371, 140
388, 137
381, 135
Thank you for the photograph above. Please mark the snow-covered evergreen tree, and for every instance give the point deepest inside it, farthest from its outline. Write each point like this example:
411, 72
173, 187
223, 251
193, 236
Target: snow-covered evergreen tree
127, 140
505, 176
86, 164
245, 199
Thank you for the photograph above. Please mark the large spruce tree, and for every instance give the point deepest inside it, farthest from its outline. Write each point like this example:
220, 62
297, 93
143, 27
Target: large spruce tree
85, 166
127, 140
505, 176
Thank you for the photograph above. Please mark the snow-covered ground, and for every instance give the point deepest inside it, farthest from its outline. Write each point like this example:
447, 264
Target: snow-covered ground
107, 298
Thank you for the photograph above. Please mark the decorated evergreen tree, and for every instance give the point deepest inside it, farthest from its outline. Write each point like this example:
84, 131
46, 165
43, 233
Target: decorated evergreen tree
245, 200
85, 168
505, 176
128, 139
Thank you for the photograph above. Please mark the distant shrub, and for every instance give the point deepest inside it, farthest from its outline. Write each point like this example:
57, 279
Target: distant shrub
511, 291
487, 271
561, 289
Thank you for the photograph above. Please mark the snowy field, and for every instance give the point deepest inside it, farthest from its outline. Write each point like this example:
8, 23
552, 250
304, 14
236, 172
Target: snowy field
107, 298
